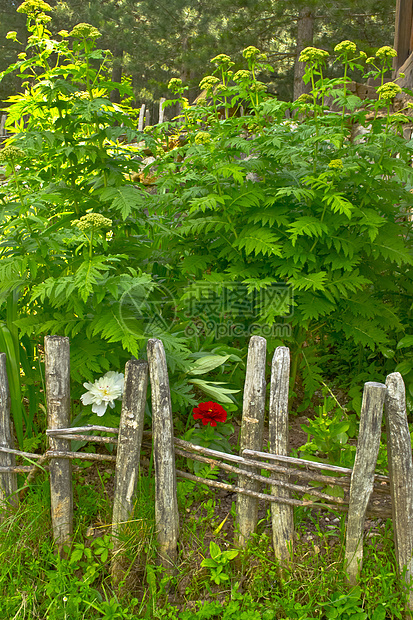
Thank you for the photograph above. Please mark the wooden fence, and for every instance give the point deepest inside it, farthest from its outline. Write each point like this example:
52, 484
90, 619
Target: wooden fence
287, 477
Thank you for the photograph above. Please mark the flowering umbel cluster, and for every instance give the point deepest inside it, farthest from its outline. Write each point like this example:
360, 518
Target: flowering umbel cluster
253, 53
11, 153
313, 55
85, 31
222, 59
202, 137
336, 164
33, 7
386, 52
346, 47
210, 413
92, 220
208, 82
388, 91
174, 83
242, 75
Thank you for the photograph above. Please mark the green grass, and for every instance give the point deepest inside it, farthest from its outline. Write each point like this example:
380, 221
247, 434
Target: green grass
35, 584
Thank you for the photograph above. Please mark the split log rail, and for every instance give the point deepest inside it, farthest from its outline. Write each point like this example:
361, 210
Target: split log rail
287, 477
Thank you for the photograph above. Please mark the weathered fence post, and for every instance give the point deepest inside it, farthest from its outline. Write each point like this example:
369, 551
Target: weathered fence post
141, 117
161, 109
147, 118
166, 503
282, 514
252, 427
128, 453
57, 378
8, 480
362, 478
399, 453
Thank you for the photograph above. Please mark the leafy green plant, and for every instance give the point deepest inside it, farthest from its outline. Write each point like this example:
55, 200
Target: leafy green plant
330, 431
345, 606
76, 241
218, 562
302, 202
405, 367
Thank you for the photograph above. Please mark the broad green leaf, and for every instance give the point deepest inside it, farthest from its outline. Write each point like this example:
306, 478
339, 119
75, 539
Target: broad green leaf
207, 363
407, 341
214, 550
214, 390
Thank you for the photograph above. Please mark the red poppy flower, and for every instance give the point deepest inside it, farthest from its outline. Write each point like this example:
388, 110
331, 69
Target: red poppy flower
210, 413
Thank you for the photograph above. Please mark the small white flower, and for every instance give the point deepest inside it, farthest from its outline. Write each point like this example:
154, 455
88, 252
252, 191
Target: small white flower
103, 392
65, 599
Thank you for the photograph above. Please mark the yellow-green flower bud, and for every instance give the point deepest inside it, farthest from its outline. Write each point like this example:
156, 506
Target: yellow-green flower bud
12, 35
11, 153
388, 91
250, 52
386, 52
33, 7
85, 31
202, 137
210, 81
305, 98
336, 164
222, 59
313, 55
174, 83
92, 220
42, 17
258, 87
346, 47
242, 75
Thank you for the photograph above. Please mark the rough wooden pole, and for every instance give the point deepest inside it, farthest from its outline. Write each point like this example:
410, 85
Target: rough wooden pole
399, 453
166, 504
57, 378
8, 481
128, 454
362, 478
161, 109
252, 427
282, 515
141, 117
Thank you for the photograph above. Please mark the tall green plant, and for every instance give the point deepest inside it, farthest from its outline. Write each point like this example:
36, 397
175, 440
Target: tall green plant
80, 255
75, 238
289, 193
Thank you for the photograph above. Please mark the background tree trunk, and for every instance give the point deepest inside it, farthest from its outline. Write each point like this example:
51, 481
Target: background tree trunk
116, 74
305, 33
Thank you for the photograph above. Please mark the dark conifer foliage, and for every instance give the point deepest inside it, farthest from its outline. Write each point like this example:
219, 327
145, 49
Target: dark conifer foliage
154, 41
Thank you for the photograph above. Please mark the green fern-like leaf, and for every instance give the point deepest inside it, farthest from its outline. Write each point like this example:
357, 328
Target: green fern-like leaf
307, 226
125, 199
257, 240
314, 281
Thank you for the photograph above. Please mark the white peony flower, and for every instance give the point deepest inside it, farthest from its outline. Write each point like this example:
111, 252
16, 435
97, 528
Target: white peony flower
103, 392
